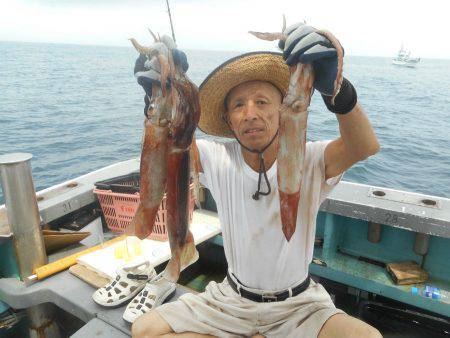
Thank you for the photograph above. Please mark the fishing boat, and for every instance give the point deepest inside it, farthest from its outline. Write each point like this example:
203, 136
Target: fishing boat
404, 58
364, 234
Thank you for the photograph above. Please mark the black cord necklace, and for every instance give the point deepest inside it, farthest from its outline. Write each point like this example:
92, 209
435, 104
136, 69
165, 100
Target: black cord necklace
262, 167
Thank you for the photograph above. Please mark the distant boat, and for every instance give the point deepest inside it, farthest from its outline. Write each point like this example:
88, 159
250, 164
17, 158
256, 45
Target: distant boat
404, 58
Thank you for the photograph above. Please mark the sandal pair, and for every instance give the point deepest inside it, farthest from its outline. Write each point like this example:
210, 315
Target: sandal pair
138, 281
130, 280
155, 292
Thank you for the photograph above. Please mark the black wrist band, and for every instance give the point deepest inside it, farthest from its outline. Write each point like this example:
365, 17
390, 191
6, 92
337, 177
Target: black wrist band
344, 101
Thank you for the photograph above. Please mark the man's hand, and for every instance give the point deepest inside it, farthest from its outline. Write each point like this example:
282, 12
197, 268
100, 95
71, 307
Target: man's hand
147, 72
305, 45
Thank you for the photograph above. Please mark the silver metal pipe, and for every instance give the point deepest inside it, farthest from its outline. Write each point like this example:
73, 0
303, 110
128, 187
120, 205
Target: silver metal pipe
24, 222
22, 212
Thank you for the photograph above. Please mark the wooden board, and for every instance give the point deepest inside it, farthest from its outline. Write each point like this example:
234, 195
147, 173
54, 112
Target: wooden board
55, 240
407, 273
88, 276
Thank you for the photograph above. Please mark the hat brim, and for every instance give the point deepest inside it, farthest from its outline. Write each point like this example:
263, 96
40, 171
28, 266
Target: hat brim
255, 66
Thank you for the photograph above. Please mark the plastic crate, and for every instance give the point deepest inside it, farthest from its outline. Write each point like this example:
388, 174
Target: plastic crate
119, 198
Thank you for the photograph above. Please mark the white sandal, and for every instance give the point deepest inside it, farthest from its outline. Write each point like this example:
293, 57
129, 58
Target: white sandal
128, 282
155, 292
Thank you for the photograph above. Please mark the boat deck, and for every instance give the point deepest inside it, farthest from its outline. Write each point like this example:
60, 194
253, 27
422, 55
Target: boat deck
343, 224
75, 297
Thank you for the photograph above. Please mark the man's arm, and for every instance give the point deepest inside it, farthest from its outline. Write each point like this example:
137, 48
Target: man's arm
357, 142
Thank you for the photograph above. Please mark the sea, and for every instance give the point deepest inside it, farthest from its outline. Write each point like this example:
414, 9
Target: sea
78, 108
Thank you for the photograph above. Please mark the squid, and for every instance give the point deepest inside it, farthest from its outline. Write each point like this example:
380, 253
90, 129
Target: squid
292, 129
166, 160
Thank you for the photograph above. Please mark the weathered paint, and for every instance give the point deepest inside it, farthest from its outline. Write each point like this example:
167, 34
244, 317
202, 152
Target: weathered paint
345, 239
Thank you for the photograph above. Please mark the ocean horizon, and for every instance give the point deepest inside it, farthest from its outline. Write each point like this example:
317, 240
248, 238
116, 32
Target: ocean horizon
78, 108
237, 52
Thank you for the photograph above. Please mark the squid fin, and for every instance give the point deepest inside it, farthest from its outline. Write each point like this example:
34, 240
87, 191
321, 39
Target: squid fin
182, 258
268, 36
289, 209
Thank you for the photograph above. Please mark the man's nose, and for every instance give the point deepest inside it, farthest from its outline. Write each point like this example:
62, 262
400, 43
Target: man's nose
250, 111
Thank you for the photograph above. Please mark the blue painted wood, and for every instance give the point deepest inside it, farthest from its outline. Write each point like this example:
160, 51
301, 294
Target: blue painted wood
8, 263
395, 244
3, 307
375, 279
437, 261
217, 239
345, 239
331, 236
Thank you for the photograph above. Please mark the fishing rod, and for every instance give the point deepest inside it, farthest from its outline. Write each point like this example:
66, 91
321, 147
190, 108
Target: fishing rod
170, 18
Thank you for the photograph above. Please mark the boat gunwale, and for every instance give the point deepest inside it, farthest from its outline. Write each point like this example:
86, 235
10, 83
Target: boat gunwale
354, 200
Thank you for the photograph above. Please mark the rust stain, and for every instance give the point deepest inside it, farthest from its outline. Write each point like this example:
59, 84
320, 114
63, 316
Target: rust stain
275, 218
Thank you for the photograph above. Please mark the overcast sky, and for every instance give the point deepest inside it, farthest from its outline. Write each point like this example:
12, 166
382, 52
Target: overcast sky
373, 28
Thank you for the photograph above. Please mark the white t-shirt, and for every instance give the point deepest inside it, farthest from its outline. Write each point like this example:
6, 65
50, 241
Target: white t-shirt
256, 250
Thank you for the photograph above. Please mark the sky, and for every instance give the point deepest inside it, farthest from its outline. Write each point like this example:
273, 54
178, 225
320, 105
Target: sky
370, 28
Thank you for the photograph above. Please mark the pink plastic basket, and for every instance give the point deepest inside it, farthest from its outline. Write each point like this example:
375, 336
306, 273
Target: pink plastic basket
119, 210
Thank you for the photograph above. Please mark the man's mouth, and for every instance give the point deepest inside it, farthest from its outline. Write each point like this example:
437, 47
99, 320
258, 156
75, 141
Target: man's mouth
252, 131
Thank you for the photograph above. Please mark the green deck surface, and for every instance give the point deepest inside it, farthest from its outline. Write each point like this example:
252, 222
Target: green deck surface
365, 276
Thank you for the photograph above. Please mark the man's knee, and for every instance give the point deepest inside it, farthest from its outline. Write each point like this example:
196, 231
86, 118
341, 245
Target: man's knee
343, 325
150, 325
369, 332
365, 330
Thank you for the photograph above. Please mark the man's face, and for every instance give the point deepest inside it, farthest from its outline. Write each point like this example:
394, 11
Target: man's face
253, 112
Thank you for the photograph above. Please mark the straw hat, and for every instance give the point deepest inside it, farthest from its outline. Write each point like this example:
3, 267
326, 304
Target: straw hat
262, 66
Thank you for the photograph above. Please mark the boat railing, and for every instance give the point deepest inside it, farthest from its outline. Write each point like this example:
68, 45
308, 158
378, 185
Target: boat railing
408, 210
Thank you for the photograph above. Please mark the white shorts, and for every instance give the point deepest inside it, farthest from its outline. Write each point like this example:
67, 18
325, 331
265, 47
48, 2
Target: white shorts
221, 312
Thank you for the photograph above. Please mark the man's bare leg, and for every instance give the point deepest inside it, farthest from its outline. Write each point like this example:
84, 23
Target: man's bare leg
152, 325
344, 326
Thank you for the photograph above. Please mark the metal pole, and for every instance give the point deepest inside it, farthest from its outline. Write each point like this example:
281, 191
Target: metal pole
22, 212
24, 222
421, 243
171, 24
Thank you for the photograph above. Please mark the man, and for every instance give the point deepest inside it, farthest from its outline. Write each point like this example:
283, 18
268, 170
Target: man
267, 292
